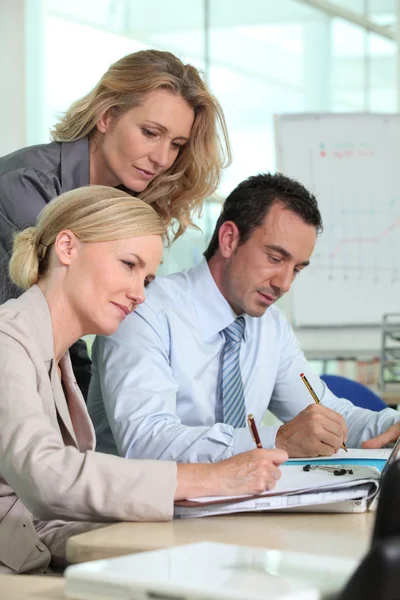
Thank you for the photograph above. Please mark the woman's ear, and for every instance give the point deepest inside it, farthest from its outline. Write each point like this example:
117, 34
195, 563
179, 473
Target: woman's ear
66, 247
229, 238
104, 121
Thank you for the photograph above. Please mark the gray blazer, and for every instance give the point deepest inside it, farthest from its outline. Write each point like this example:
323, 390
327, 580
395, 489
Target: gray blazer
48, 467
29, 179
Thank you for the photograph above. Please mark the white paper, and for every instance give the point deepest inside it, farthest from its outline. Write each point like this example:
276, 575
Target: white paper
353, 453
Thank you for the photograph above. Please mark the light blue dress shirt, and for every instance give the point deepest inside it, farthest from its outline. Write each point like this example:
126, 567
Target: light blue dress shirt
155, 389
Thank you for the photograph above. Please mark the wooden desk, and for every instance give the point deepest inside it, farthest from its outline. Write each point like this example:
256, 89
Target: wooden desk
30, 587
340, 535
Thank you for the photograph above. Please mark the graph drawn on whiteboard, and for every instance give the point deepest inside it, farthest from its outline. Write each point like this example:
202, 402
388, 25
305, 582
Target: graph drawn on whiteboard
352, 164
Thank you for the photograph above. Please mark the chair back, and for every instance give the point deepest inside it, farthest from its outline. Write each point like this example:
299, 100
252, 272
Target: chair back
354, 391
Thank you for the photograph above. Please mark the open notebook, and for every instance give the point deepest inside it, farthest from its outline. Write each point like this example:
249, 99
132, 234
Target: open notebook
314, 490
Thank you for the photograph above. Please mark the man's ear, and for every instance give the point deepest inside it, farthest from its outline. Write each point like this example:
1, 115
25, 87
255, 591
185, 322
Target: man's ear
228, 237
66, 247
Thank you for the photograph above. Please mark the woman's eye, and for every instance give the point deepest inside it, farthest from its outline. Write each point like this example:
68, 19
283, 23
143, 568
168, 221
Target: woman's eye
147, 282
128, 264
148, 132
177, 145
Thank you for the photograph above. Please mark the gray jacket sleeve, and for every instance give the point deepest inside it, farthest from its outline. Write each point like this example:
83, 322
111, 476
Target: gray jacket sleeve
23, 194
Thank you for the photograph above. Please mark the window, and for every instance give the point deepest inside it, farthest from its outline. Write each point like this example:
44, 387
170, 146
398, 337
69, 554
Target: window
261, 58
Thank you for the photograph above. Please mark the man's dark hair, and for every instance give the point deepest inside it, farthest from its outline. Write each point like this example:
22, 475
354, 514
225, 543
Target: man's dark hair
250, 201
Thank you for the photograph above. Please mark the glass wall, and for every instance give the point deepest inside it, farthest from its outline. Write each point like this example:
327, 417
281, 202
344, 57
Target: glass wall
260, 57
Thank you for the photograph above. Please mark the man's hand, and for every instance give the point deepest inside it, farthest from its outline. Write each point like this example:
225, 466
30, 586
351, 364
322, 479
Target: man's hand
389, 436
316, 431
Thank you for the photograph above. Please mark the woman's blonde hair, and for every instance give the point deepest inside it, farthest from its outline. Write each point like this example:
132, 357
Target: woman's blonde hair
178, 193
93, 213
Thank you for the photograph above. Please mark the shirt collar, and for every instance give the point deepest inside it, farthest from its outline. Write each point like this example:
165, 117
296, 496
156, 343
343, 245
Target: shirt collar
39, 317
74, 164
213, 310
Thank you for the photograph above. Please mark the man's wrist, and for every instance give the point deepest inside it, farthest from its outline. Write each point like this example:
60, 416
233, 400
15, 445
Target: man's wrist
280, 439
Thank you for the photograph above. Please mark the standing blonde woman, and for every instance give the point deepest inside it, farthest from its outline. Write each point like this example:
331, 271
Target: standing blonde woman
150, 126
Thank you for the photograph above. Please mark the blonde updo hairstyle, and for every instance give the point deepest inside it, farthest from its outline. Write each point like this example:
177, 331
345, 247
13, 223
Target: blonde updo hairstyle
93, 213
178, 193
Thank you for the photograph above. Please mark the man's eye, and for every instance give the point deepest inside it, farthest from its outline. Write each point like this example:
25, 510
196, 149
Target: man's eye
274, 259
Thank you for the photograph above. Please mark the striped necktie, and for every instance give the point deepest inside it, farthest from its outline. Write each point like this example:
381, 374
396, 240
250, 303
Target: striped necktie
234, 409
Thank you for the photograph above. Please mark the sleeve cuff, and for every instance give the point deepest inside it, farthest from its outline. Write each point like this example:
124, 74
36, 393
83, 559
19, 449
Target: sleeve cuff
243, 441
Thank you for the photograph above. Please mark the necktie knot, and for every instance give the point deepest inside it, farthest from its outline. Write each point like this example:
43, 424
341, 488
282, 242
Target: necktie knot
235, 331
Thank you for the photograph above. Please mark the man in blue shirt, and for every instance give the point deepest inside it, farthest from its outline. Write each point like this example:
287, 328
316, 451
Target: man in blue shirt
208, 346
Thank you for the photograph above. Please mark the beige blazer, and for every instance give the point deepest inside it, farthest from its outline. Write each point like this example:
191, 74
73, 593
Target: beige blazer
48, 467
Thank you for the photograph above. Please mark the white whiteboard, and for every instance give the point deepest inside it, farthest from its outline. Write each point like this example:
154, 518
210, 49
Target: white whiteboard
351, 162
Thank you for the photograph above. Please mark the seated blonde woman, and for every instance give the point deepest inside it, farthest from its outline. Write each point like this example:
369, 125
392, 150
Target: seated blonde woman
84, 266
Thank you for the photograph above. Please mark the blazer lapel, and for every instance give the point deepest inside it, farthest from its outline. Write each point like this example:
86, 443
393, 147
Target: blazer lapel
80, 419
61, 402
71, 410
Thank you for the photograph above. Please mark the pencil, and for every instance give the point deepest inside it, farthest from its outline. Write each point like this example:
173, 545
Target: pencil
254, 431
315, 398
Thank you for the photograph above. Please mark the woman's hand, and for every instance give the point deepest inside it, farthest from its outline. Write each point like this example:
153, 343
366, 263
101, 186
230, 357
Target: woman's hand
251, 472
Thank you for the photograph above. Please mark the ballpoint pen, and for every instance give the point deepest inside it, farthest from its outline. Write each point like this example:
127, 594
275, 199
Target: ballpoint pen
253, 430
315, 397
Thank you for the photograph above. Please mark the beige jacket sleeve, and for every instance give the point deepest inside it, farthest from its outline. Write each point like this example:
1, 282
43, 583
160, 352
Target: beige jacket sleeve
56, 481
